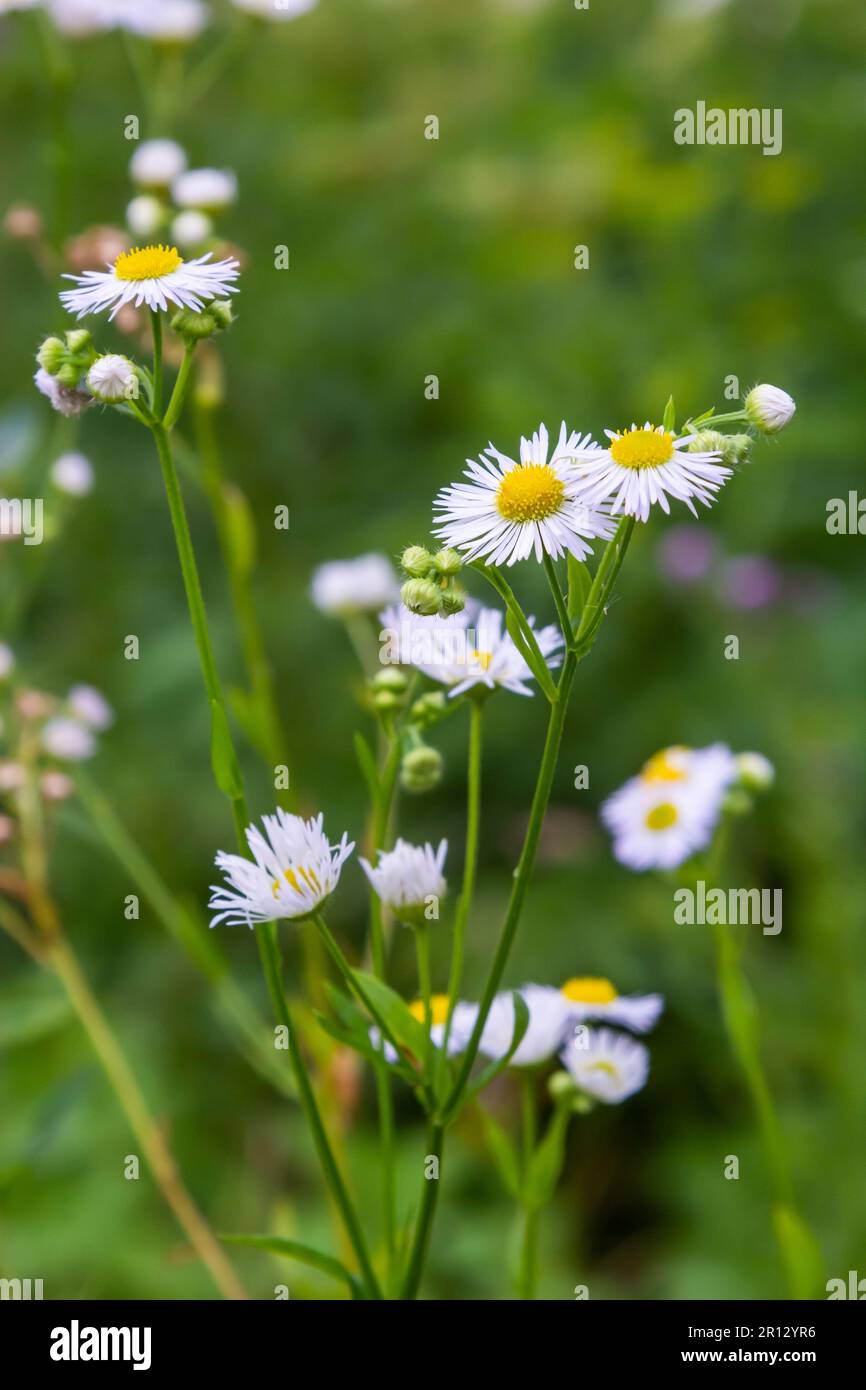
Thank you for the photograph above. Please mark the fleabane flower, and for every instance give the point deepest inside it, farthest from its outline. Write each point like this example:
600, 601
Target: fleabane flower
293, 870
589, 997
165, 21
769, 408
157, 163
275, 9
113, 379
153, 275
68, 740
644, 466
465, 650
206, 190
67, 400
409, 880
510, 510
606, 1065
72, 473
549, 1017
671, 809
90, 706
343, 588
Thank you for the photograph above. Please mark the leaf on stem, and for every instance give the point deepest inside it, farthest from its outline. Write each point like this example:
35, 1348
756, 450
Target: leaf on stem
502, 1150
367, 764
579, 585
531, 655
226, 772
492, 1070
304, 1254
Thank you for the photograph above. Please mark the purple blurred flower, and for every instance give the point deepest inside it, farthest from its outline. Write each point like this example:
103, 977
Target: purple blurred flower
685, 553
750, 581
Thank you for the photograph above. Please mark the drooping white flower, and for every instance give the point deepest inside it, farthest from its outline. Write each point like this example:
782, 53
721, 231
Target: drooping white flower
293, 870
464, 650
191, 229
769, 408
68, 740
671, 809
643, 467
165, 21
206, 190
145, 215
153, 275
90, 706
72, 473
592, 998
157, 163
345, 587
510, 509
7, 660
606, 1065
112, 379
275, 9
549, 1016
407, 878
68, 400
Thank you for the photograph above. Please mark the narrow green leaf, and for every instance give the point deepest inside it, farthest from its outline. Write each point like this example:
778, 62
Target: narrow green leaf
367, 764
670, 416
406, 1029
240, 529
579, 585
800, 1252
546, 1163
502, 1151
225, 766
531, 655
304, 1254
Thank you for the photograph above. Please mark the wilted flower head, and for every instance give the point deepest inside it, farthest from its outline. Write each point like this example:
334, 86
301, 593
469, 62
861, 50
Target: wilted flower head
293, 870
68, 400
408, 879
345, 587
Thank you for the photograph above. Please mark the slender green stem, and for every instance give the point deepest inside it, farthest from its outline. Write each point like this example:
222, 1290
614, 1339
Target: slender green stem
559, 601
267, 941
527, 1274
175, 405
427, 1210
156, 324
528, 1265
425, 986
470, 863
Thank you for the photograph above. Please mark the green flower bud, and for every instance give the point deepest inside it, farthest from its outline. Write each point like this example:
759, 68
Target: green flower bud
52, 355
769, 408
448, 562
188, 324
737, 802
221, 313
421, 769
79, 340
386, 701
429, 708
734, 448
416, 562
452, 600
756, 772
560, 1087
391, 678
69, 374
421, 596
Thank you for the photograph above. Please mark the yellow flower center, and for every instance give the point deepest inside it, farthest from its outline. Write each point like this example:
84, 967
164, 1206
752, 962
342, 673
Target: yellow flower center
662, 766
642, 448
662, 817
587, 990
530, 492
147, 263
297, 878
483, 659
438, 1009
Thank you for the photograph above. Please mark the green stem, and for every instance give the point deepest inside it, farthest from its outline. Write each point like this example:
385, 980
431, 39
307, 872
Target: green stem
528, 1266
156, 324
559, 601
267, 941
175, 404
470, 863
422, 947
427, 1211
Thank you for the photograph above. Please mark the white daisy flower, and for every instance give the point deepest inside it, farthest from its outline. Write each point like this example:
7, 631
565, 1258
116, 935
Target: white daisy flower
510, 509
438, 1017
769, 408
145, 215
7, 660
90, 706
597, 999
165, 21
295, 870
275, 9
68, 740
157, 163
65, 399
112, 379
9, 6
644, 466
671, 809
549, 1017
153, 275
606, 1065
342, 588
191, 229
205, 189
72, 473
464, 650
407, 877
78, 19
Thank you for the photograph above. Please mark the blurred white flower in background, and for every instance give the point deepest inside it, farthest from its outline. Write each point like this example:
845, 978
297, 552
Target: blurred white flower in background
72, 473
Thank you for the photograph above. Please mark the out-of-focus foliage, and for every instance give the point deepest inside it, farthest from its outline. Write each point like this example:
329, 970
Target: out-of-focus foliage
411, 257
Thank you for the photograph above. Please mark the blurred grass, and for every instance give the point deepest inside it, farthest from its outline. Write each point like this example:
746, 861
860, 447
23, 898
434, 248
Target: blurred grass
411, 257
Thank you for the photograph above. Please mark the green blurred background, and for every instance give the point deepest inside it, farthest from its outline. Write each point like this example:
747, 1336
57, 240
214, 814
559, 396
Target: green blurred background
455, 257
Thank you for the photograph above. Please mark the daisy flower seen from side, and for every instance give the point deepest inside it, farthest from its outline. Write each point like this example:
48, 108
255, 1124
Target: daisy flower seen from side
606, 1065
155, 276
439, 1004
342, 588
465, 650
293, 870
549, 1016
592, 998
409, 879
510, 510
644, 466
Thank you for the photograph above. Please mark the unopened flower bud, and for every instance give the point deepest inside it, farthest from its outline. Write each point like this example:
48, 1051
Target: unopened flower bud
421, 769
416, 561
429, 708
421, 596
189, 324
737, 802
23, 222
79, 340
561, 1087
756, 772
391, 678
387, 701
113, 379
222, 313
734, 448
452, 600
52, 355
448, 562
769, 408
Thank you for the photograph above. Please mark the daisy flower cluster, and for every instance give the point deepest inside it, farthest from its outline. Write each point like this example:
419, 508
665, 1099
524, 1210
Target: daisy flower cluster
174, 201
41, 735
670, 811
